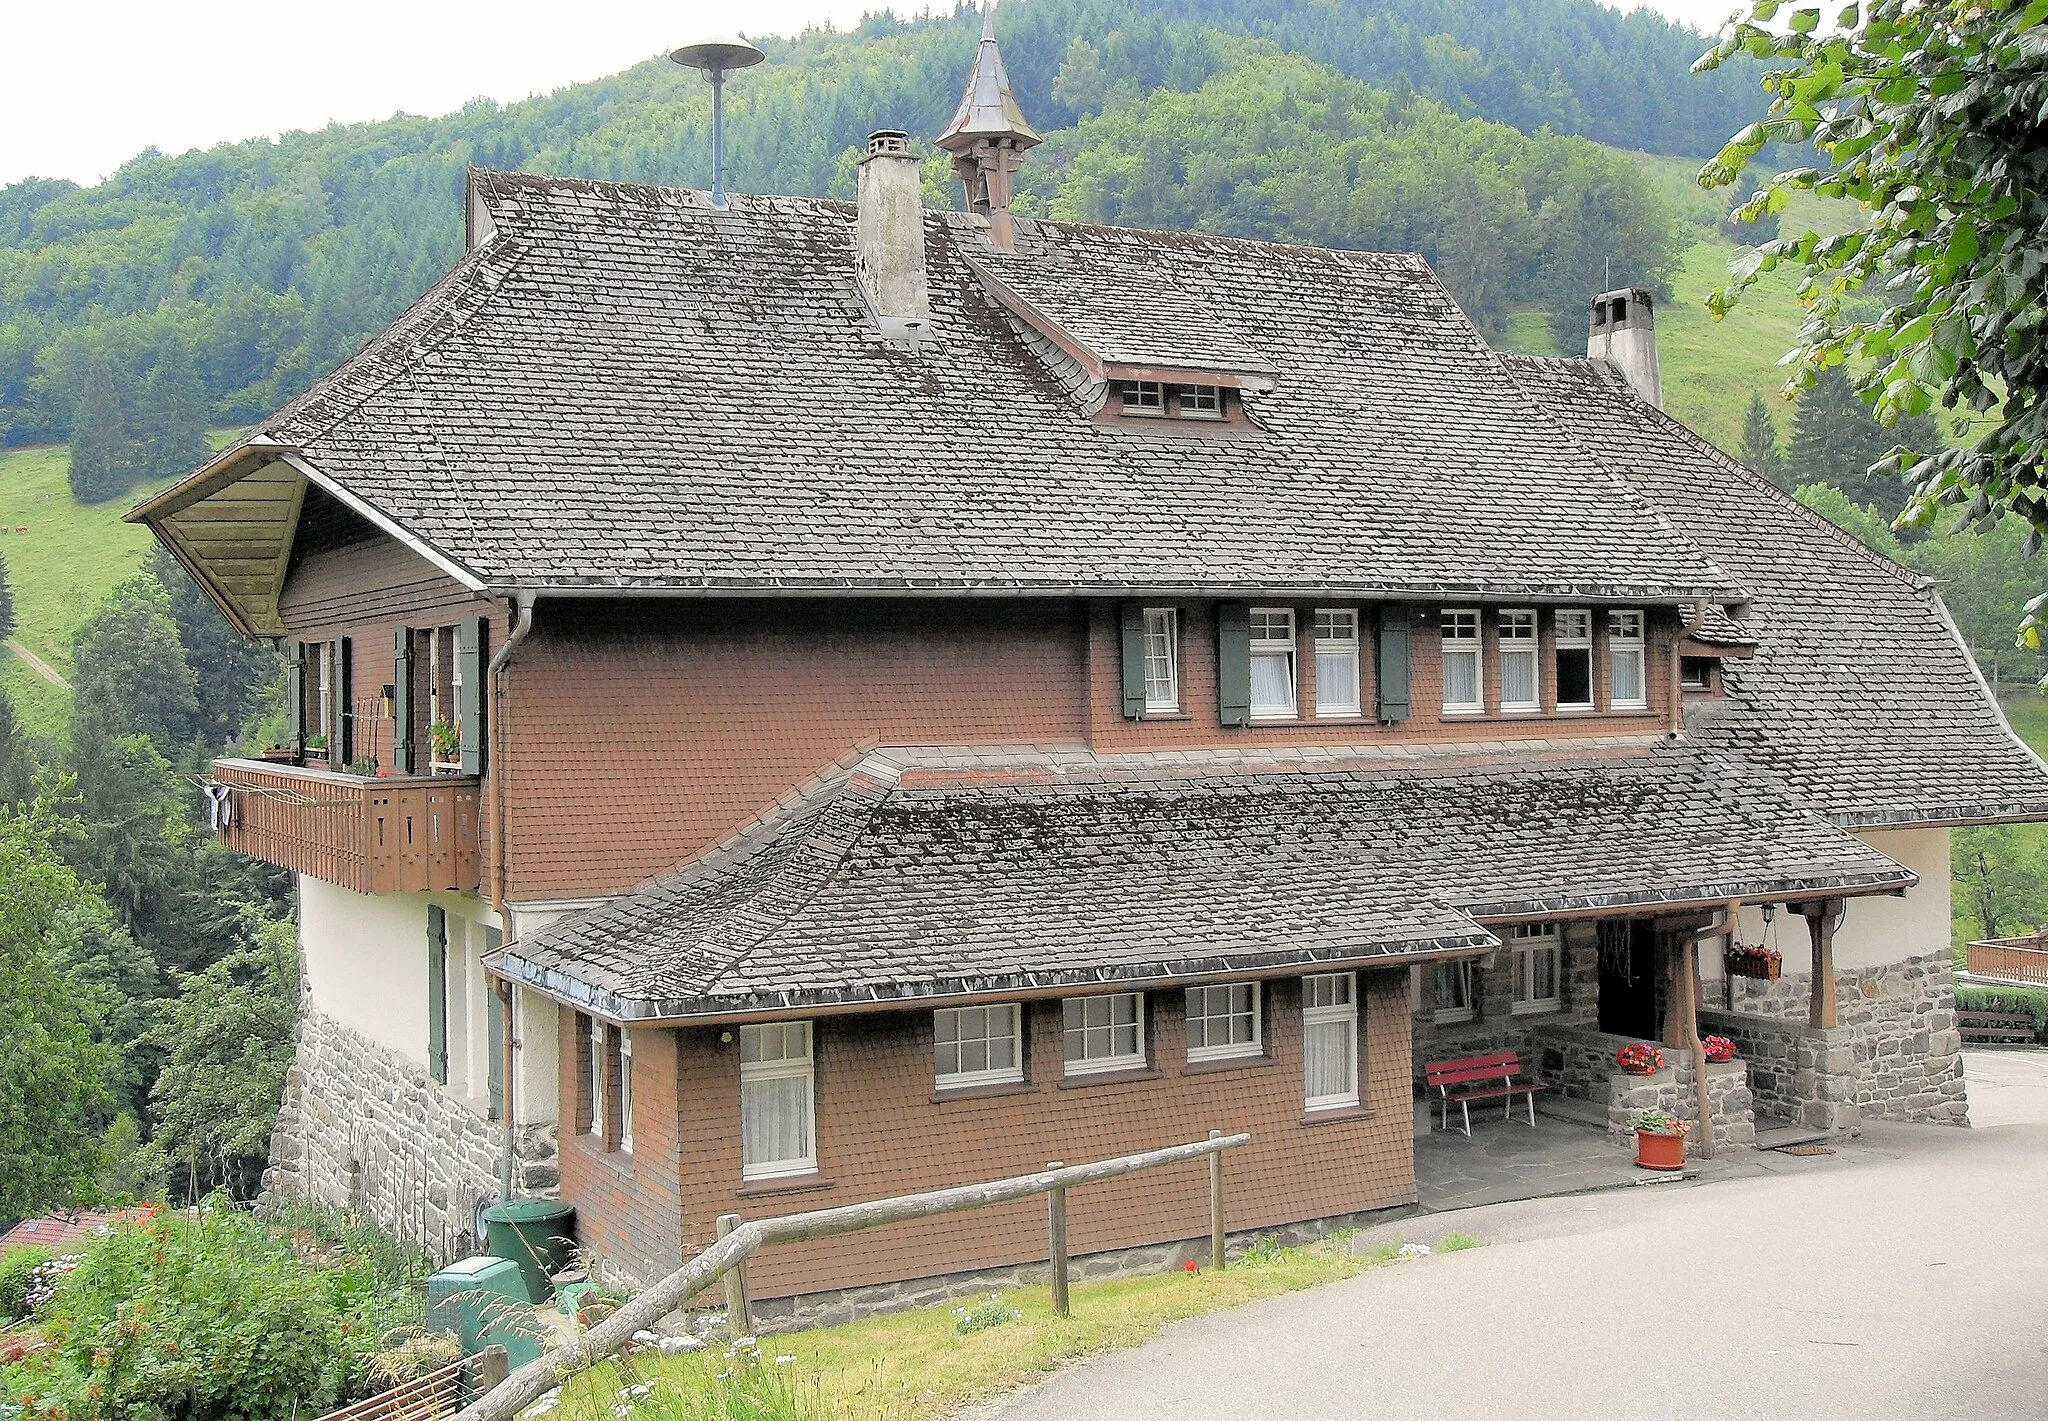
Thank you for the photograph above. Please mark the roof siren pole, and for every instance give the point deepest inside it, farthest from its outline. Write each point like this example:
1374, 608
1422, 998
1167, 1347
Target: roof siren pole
716, 57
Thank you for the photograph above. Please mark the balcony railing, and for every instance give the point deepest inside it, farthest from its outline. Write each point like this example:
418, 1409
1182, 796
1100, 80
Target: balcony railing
415, 834
2010, 959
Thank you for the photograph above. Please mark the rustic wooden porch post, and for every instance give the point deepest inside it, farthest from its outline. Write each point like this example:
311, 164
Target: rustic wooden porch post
1678, 1006
738, 1321
1056, 1230
1820, 926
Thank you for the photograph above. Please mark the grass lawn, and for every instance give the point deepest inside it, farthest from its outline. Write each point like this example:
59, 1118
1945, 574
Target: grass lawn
917, 1365
60, 570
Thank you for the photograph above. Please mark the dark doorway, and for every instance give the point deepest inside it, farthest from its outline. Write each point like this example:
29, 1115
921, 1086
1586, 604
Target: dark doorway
1628, 978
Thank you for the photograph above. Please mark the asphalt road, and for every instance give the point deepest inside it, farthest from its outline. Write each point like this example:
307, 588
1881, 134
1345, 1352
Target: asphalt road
1906, 1276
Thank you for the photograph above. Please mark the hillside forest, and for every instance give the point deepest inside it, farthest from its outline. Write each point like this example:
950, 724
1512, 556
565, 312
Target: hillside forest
1534, 151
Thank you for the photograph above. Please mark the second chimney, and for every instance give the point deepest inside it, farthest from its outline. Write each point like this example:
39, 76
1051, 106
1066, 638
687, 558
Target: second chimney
1621, 328
889, 237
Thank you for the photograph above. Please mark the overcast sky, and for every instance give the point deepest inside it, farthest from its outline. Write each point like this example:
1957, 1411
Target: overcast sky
86, 86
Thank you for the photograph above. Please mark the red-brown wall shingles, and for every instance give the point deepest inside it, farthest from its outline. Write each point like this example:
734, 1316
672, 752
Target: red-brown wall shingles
881, 1133
628, 1204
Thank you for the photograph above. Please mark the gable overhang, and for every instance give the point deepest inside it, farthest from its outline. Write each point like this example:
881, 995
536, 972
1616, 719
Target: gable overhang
232, 526
1100, 368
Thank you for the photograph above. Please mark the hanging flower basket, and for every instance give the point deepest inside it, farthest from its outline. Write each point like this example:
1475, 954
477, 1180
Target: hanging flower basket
1760, 962
1717, 1048
1639, 1059
1660, 1140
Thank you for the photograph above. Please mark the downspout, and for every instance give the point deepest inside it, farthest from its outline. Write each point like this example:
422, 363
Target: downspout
522, 623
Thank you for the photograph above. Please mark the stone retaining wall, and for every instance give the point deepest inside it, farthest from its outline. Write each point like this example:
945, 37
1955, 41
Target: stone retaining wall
1579, 1065
363, 1127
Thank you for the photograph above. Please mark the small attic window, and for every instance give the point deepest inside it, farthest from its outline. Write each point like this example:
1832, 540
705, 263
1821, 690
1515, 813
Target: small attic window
1199, 402
1143, 397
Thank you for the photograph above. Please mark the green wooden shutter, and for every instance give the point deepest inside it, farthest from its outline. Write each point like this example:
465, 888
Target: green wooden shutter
401, 702
1392, 671
295, 699
1234, 663
496, 1054
344, 742
1134, 661
470, 639
437, 994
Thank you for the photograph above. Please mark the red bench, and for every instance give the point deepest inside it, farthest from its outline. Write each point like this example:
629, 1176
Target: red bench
1489, 1077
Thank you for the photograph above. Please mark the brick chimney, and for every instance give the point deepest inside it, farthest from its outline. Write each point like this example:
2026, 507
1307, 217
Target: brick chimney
889, 237
1621, 329
987, 138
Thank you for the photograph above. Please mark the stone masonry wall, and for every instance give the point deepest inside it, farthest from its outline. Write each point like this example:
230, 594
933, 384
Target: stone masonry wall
362, 1127
1495, 1026
1898, 1028
1579, 1064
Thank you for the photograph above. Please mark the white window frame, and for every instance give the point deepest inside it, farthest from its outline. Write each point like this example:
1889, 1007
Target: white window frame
1331, 640
1088, 1031
1330, 1015
625, 1091
1526, 941
1519, 638
1199, 402
1204, 997
1145, 399
1162, 660
1572, 629
1270, 646
1451, 1015
599, 1061
1454, 622
785, 1067
988, 1014
1625, 641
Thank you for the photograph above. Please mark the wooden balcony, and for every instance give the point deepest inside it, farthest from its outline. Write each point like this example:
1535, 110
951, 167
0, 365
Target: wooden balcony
2011, 959
415, 834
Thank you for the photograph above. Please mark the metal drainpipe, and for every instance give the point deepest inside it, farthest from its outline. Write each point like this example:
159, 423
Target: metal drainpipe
522, 623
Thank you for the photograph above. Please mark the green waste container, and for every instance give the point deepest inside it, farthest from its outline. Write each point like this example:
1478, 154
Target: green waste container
536, 1234
483, 1301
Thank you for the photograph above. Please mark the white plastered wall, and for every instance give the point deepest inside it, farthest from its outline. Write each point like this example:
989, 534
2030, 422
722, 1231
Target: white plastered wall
1878, 929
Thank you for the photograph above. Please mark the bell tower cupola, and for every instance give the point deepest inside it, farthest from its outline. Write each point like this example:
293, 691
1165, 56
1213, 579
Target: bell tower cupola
988, 137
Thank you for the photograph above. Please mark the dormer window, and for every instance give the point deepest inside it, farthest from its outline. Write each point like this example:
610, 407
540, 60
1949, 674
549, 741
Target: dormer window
1144, 397
1199, 401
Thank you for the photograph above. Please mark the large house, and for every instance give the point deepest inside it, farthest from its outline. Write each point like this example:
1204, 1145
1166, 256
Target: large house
807, 701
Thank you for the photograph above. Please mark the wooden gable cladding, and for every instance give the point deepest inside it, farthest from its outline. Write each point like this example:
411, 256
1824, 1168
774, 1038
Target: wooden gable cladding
237, 541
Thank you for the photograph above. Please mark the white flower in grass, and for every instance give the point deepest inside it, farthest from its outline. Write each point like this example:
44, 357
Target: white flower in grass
784, 1360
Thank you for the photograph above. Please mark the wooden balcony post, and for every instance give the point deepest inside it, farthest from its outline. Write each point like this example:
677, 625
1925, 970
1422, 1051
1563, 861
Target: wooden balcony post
1820, 926
1056, 1229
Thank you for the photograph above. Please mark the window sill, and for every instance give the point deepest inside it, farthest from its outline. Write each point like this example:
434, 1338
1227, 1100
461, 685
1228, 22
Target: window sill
1535, 1008
1165, 716
1275, 718
1118, 1077
942, 1094
1454, 1018
1335, 1114
793, 1184
1227, 1063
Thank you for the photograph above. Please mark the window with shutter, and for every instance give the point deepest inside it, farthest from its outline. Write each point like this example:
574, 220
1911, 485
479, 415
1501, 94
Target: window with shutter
1133, 628
401, 702
1392, 672
470, 639
437, 994
1234, 663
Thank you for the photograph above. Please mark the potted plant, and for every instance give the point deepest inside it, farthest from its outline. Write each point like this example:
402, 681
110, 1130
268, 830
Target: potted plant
1717, 1048
447, 742
316, 747
1764, 963
1660, 1140
1639, 1058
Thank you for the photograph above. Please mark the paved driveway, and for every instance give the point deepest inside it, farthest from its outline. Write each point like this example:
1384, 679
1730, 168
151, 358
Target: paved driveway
1905, 1276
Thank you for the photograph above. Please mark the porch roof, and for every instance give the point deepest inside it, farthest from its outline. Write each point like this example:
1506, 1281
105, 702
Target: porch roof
912, 875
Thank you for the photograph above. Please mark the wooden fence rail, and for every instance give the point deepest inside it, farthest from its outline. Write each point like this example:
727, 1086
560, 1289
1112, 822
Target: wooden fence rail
2008, 960
730, 1252
438, 1394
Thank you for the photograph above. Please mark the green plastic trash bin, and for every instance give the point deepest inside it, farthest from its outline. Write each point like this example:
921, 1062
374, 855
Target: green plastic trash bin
483, 1301
536, 1234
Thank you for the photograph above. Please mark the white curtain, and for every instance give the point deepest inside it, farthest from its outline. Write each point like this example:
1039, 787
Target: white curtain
1461, 678
1337, 680
1272, 682
775, 1120
1518, 678
1330, 1050
1628, 675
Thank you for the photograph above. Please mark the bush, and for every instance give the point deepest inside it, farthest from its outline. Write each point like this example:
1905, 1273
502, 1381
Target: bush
2031, 1001
17, 1266
207, 1318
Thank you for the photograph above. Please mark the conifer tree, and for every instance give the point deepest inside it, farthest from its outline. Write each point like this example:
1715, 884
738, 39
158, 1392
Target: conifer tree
171, 417
102, 455
1759, 447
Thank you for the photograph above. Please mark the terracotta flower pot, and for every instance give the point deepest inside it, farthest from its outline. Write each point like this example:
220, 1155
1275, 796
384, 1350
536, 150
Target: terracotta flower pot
1658, 1151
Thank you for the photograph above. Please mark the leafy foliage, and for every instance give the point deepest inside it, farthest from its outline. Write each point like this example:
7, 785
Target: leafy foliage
2028, 1001
1932, 114
132, 676
17, 1267
2001, 881
53, 1072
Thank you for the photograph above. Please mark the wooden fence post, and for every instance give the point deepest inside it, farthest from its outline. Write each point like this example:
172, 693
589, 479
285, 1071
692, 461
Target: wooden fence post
493, 1365
1216, 1246
737, 1321
1056, 1227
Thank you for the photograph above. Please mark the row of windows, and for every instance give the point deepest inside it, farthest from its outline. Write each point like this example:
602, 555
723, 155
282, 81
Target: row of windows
1155, 400
1536, 964
1336, 648
984, 1045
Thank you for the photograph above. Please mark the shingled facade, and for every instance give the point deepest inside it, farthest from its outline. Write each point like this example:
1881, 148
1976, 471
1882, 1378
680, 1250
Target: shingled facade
811, 701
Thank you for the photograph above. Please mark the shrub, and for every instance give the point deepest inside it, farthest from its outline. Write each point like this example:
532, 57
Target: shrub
2032, 1001
17, 1265
992, 1311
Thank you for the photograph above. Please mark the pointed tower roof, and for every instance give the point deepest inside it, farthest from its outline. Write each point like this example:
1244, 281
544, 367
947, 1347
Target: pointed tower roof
989, 108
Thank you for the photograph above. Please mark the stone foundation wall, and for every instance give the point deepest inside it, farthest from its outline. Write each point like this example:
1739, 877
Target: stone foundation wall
1896, 1054
1579, 1065
363, 1127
